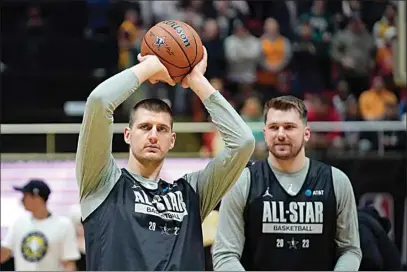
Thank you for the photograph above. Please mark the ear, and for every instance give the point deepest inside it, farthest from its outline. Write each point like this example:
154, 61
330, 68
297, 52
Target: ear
307, 134
127, 134
173, 138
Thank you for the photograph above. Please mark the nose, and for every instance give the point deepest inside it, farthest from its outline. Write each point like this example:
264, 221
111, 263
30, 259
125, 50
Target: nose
281, 133
153, 137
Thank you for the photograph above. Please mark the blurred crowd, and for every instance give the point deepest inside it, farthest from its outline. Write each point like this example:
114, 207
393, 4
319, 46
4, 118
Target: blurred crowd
336, 55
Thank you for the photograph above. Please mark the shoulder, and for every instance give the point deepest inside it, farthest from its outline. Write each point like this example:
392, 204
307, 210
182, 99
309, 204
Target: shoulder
341, 182
184, 183
21, 221
339, 176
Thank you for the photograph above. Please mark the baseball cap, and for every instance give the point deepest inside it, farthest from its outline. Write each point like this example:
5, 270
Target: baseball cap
35, 187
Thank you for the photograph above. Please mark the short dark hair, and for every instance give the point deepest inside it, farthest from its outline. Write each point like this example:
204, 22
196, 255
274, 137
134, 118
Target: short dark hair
151, 104
286, 103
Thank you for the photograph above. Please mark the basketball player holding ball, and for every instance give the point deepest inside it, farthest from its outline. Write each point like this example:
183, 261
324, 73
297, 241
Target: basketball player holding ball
132, 219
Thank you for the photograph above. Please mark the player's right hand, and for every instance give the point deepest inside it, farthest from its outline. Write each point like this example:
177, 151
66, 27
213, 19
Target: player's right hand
162, 74
198, 71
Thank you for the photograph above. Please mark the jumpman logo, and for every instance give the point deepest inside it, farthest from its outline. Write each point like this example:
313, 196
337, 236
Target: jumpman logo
165, 230
267, 193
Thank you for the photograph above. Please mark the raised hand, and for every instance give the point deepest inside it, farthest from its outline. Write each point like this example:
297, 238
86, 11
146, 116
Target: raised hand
199, 70
162, 74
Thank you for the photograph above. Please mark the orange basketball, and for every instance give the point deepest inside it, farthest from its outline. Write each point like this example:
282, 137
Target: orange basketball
176, 44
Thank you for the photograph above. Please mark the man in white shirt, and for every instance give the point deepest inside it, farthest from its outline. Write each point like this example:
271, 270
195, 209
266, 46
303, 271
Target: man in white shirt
40, 241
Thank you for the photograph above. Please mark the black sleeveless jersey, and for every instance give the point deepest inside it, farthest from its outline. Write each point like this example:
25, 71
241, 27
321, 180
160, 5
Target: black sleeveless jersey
140, 229
285, 232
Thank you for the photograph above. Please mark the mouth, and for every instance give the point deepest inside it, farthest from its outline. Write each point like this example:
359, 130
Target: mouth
152, 148
282, 144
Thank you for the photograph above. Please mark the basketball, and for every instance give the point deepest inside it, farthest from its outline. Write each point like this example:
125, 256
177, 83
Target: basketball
176, 44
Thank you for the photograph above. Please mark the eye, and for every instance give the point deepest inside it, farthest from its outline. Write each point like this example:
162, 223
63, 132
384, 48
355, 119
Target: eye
288, 127
162, 129
145, 127
273, 127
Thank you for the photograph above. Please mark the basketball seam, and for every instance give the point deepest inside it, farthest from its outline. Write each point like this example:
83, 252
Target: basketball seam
179, 67
182, 49
196, 44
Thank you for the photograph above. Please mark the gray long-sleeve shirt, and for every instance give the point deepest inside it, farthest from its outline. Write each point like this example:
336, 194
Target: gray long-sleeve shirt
96, 168
230, 238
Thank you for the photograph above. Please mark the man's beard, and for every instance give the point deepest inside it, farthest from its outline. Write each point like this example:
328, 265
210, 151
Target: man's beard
292, 154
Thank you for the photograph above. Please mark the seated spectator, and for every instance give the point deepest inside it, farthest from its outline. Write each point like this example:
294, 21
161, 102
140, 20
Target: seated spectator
243, 52
322, 29
351, 138
373, 101
343, 99
214, 46
322, 110
379, 253
384, 54
306, 60
352, 50
393, 140
320, 21
390, 140
380, 27
128, 37
277, 54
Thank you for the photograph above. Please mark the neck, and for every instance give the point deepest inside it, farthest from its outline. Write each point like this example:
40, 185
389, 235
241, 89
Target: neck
289, 166
147, 169
41, 213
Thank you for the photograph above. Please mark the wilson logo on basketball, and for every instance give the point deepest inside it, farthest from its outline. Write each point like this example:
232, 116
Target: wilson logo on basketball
180, 31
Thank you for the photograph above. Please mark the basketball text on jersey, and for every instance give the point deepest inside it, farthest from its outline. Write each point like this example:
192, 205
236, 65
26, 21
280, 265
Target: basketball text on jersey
170, 206
180, 32
296, 217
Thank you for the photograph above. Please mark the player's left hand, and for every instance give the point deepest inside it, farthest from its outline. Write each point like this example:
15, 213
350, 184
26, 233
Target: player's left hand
198, 71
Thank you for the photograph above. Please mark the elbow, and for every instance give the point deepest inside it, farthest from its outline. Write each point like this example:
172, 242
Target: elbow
97, 101
224, 261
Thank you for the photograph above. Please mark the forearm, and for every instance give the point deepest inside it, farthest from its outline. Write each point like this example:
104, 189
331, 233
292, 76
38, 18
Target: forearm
200, 85
5, 254
229, 263
348, 261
